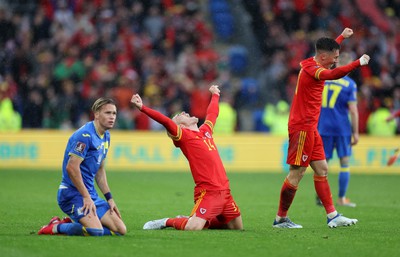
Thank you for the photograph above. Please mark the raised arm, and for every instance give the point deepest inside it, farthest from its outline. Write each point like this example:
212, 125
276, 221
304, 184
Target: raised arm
347, 32
213, 107
171, 127
342, 71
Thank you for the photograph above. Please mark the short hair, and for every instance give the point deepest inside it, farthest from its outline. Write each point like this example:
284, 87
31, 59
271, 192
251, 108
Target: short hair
99, 103
326, 44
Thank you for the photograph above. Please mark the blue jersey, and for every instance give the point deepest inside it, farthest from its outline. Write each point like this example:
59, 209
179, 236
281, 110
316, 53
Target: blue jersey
87, 144
334, 119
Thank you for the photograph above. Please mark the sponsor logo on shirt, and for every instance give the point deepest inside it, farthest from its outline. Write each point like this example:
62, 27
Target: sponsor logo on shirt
80, 147
85, 135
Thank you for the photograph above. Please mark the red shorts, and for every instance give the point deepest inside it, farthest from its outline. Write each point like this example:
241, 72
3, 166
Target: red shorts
304, 147
215, 204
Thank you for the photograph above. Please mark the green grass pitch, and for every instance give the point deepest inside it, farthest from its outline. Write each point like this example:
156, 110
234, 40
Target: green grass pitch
28, 200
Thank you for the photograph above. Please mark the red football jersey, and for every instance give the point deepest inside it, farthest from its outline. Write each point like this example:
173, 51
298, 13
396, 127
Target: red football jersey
199, 148
306, 104
204, 160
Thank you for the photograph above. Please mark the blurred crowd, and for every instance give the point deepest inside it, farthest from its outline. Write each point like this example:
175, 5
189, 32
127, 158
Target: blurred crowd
287, 29
60, 55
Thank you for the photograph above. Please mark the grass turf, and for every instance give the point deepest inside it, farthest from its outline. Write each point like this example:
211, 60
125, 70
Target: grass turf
28, 201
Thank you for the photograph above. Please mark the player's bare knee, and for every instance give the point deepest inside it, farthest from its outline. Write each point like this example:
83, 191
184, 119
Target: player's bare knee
240, 227
236, 224
122, 230
194, 226
322, 172
118, 228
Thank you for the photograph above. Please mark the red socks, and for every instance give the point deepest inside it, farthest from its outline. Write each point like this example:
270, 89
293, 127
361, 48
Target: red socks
288, 192
180, 223
324, 192
177, 223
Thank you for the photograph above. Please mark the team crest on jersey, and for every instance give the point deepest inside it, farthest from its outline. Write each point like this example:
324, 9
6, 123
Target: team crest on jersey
304, 157
80, 147
207, 135
202, 210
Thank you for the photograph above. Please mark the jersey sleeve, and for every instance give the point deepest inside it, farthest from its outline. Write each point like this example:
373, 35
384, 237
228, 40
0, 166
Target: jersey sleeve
212, 112
172, 128
339, 39
80, 144
336, 73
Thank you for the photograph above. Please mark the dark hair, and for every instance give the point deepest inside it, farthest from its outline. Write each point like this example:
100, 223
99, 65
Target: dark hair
101, 102
326, 44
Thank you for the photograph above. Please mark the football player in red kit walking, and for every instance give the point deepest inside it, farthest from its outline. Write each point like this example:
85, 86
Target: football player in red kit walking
305, 143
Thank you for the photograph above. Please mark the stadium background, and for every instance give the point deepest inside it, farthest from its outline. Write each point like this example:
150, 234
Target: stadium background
57, 56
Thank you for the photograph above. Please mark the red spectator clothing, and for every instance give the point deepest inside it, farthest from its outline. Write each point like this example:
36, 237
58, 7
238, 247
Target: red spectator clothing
396, 114
298, 49
8, 88
199, 98
142, 121
48, 8
363, 113
199, 148
83, 39
306, 105
167, 4
123, 94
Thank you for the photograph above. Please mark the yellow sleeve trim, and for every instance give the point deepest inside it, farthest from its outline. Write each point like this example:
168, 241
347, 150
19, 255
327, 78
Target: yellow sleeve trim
318, 72
209, 123
178, 136
80, 157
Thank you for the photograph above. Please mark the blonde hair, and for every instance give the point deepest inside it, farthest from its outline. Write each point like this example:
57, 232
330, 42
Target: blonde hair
99, 103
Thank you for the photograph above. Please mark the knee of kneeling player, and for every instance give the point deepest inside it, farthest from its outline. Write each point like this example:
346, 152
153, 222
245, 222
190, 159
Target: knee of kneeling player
122, 230
194, 226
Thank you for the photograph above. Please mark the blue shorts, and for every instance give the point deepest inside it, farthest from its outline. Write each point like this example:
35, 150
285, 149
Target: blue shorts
71, 203
342, 144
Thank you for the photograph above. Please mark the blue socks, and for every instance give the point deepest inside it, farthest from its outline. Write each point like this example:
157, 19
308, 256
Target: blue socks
71, 229
344, 177
108, 232
94, 231
76, 229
